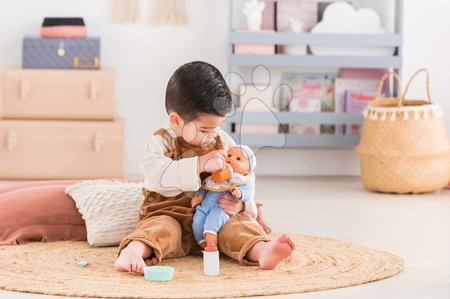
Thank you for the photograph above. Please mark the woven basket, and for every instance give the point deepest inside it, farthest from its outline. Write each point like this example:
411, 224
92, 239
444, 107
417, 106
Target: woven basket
404, 146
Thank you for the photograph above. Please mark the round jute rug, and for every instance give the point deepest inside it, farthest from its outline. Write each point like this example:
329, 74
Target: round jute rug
317, 264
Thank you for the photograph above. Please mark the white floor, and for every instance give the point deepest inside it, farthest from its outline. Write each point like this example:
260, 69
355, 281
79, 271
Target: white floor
414, 227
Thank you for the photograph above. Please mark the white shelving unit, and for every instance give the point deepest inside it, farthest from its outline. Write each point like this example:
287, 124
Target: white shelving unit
309, 61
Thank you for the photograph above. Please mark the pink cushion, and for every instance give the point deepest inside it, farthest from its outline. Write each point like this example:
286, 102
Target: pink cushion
15, 186
39, 211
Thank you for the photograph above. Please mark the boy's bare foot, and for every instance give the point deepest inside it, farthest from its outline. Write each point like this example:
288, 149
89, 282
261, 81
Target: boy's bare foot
130, 261
275, 251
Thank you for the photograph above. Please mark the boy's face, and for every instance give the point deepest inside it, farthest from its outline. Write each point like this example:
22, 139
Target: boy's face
238, 160
202, 131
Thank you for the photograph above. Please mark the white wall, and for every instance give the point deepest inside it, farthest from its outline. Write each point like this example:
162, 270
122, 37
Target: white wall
145, 56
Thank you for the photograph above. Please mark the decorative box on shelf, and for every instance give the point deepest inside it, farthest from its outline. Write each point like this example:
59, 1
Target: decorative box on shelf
254, 49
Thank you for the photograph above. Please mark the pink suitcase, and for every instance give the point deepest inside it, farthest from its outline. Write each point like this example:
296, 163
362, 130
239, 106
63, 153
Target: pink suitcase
61, 149
57, 94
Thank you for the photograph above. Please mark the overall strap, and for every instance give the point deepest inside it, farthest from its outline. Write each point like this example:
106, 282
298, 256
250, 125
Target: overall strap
171, 141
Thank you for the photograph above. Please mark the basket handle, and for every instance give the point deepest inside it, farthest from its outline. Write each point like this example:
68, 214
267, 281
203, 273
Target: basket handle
402, 98
383, 79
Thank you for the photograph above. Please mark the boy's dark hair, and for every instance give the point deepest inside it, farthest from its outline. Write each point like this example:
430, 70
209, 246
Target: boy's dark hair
197, 88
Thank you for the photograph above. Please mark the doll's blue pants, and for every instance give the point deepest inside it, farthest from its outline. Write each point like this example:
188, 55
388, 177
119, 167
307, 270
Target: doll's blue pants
209, 217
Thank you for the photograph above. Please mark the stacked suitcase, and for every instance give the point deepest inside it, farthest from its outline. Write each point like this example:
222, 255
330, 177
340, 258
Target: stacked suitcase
57, 120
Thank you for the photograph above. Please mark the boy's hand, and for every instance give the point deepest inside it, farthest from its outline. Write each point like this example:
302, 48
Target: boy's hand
236, 192
212, 162
196, 200
229, 205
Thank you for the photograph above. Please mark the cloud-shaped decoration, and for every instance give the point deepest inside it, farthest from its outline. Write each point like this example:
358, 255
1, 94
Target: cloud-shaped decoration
341, 17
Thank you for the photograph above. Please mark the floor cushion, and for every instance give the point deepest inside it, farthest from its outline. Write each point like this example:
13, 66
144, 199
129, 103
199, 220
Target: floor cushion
110, 209
39, 211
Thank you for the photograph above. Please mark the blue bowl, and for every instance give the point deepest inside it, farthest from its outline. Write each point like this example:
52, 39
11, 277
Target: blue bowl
158, 273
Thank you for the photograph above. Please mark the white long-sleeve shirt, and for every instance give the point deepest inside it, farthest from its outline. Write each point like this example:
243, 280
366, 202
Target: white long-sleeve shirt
171, 177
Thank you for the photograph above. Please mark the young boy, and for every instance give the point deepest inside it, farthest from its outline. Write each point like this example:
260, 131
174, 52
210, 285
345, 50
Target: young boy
177, 158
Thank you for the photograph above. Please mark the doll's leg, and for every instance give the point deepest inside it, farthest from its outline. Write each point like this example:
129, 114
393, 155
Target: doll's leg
198, 223
214, 222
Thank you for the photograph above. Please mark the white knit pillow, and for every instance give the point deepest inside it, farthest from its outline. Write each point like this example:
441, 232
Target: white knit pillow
109, 208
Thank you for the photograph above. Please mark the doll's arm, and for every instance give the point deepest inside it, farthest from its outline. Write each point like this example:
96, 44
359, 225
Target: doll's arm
250, 206
198, 197
261, 221
242, 193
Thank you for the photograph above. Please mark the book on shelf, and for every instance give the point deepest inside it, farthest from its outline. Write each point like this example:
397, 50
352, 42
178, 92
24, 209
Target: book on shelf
356, 101
306, 104
301, 11
362, 73
343, 84
268, 16
327, 100
309, 93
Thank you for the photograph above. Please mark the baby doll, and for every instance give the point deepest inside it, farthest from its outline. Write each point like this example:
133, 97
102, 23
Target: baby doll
209, 217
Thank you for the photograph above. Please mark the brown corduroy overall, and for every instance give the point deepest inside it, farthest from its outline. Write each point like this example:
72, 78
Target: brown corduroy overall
165, 223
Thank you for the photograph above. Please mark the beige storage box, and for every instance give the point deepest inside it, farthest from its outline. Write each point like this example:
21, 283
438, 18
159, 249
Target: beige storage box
61, 149
57, 94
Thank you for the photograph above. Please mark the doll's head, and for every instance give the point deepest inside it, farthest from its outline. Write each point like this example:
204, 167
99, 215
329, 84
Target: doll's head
241, 159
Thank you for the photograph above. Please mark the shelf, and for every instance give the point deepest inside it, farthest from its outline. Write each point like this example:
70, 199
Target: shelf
281, 60
284, 61
265, 117
336, 39
294, 140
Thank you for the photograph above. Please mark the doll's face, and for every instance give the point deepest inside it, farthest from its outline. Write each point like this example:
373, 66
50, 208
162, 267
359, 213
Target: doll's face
238, 160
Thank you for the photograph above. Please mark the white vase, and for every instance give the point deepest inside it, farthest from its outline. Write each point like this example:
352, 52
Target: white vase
254, 21
296, 27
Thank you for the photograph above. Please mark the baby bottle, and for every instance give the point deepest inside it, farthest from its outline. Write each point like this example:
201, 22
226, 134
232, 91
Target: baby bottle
211, 265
